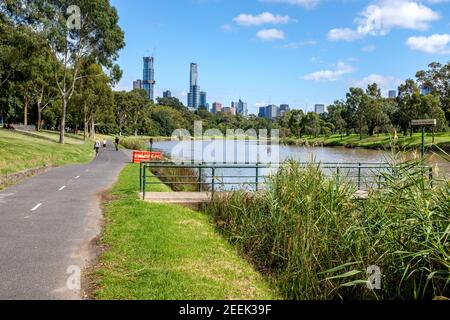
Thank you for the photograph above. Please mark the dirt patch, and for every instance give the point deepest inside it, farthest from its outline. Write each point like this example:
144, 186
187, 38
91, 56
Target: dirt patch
93, 249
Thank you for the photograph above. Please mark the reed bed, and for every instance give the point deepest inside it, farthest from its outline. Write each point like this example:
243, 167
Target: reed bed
314, 240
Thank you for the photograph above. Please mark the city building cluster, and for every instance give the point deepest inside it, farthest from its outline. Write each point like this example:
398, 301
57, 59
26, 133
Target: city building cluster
197, 99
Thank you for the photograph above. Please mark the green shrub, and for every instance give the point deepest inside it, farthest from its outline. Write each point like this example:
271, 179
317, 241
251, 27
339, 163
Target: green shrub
133, 143
316, 240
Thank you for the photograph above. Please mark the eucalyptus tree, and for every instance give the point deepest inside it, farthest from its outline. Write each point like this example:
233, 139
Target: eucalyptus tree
437, 79
75, 30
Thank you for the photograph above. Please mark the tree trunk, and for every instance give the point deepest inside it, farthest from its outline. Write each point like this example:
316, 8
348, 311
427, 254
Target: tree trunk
92, 127
38, 126
62, 129
85, 122
25, 111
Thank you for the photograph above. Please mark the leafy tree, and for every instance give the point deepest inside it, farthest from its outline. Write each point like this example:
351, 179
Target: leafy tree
437, 78
98, 36
335, 112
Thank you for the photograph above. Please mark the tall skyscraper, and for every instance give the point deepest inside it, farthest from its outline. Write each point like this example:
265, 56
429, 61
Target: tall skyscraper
149, 77
203, 99
241, 108
167, 94
137, 84
194, 89
319, 108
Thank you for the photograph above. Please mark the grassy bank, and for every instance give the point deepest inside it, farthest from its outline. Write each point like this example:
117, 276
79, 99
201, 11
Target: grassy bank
20, 151
156, 251
310, 234
383, 141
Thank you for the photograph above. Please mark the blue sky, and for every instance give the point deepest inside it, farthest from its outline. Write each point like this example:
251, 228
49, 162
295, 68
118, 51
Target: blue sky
300, 52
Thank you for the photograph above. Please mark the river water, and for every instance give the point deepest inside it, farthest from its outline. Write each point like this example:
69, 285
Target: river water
241, 151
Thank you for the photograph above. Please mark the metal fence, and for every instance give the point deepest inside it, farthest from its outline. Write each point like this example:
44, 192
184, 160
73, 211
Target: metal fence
214, 177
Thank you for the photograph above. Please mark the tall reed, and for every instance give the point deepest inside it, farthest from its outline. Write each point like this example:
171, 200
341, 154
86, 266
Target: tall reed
315, 240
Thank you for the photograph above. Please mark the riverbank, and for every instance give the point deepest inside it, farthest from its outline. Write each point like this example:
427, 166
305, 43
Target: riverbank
382, 141
156, 251
25, 153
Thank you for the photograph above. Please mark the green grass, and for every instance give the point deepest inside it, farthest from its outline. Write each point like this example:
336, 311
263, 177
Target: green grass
317, 241
164, 252
20, 151
375, 142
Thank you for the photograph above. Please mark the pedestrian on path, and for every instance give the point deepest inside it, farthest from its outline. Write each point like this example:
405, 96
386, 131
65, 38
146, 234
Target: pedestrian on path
96, 147
117, 140
104, 143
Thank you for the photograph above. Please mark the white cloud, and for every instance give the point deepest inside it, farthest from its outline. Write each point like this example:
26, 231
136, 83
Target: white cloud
383, 16
341, 69
302, 3
270, 34
434, 44
248, 20
385, 83
299, 44
345, 34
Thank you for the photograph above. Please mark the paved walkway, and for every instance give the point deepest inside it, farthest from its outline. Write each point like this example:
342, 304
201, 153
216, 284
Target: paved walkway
47, 224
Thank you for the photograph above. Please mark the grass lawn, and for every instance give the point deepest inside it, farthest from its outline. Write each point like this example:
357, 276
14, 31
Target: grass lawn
167, 252
19, 151
381, 141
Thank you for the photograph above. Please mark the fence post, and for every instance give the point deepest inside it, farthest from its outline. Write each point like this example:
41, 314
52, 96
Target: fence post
144, 186
338, 171
140, 177
359, 176
213, 180
257, 177
200, 178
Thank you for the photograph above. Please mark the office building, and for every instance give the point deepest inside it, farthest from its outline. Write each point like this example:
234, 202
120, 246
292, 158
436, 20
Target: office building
203, 99
167, 94
319, 108
425, 90
392, 94
262, 112
284, 108
149, 77
229, 110
241, 108
137, 84
270, 112
216, 107
194, 89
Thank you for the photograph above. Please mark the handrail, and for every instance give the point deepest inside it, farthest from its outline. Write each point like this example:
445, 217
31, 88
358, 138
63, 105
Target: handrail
366, 179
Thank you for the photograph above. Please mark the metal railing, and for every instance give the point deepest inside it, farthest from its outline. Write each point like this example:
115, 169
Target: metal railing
213, 177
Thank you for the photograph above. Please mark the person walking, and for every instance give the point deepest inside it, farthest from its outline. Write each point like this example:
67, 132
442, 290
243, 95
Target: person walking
104, 143
96, 147
117, 143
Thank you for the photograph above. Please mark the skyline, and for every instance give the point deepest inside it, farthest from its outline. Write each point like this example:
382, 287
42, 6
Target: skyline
267, 52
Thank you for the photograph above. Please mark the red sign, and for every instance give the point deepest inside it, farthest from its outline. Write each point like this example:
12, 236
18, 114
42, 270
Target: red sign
142, 156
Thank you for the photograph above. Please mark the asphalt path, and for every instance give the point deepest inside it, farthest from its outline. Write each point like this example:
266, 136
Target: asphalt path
47, 227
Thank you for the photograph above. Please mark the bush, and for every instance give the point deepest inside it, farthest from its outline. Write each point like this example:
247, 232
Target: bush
133, 143
316, 241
